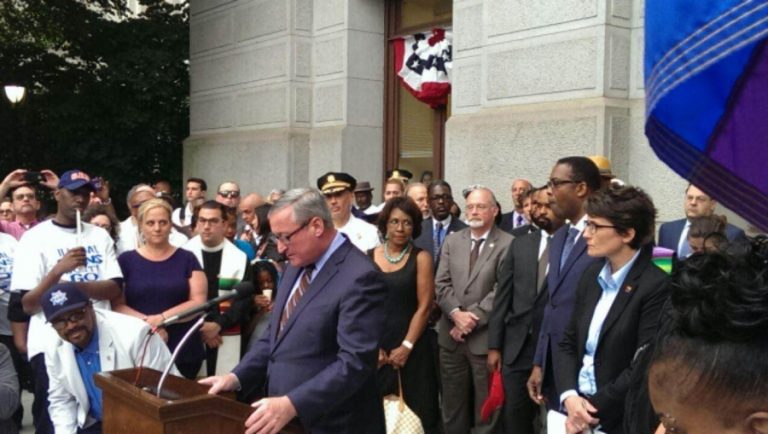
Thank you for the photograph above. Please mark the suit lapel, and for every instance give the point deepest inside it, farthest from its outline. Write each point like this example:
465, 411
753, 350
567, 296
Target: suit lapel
72, 372
578, 249
330, 268
533, 240
555, 251
106, 349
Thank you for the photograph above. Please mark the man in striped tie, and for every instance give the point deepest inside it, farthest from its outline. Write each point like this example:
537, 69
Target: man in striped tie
321, 347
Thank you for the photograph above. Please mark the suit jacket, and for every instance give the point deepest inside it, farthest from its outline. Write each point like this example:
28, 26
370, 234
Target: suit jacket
562, 293
507, 223
523, 230
518, 304
632, 322
669, 234
456, 287
424, 240
121, 339
325, 358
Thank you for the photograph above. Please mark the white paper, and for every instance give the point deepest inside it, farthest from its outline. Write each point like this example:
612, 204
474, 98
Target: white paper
556, 424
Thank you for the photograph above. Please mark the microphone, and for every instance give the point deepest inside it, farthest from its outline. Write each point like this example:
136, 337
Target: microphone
239, 291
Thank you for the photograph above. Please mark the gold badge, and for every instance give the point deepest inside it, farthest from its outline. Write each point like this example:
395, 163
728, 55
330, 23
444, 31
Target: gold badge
331, 178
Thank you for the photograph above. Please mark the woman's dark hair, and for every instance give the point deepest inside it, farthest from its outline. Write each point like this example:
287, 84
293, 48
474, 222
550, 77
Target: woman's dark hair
583, 170
262, 212
406, 205
718, 346
626, 207
702, 227
98, 210
210, 204
269, 267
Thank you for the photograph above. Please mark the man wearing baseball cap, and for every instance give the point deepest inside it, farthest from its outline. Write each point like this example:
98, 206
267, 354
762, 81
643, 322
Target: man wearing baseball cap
90, 341
53, 251
338, 188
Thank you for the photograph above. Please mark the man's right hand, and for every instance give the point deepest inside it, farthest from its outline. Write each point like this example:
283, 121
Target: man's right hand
494, 360
534, 385
464, 321
71, 260
221, 383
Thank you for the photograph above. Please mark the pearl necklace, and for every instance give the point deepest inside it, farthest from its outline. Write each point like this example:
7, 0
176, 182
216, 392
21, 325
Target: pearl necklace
399, 258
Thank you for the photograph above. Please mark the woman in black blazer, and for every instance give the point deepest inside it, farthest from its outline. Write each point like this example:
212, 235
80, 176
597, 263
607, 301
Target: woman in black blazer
618, 303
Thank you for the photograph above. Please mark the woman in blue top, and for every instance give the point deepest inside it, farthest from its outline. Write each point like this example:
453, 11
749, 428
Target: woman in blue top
160, 281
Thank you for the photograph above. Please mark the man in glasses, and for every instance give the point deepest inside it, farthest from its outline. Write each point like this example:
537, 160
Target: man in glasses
24, 201
90, 341
53, 251
338, 189
321, 346
571, 182
228, 194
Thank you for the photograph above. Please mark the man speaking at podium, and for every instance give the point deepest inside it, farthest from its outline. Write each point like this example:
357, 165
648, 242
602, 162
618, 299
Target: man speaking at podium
317, 360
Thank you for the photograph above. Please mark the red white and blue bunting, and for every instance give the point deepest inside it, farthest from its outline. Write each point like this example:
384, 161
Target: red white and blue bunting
423, 62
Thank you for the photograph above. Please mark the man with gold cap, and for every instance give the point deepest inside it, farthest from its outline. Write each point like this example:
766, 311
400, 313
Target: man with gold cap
338, 189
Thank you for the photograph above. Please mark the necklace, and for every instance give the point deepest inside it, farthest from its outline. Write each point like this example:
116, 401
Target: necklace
399, 257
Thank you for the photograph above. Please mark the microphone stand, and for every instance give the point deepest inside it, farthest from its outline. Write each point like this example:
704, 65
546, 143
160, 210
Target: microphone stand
175, 354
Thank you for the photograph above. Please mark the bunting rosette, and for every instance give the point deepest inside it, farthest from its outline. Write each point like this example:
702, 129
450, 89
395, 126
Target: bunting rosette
423, 62
706, 83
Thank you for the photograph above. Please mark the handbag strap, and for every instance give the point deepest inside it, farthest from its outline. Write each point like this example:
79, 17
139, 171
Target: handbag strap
400, 390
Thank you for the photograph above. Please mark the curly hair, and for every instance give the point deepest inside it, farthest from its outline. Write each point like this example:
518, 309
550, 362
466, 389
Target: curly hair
717, 349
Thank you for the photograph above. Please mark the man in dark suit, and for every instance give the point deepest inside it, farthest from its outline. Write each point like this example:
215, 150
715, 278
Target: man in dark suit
518, 217
317, 359
674, 235
572, 181
518, 308
466, 281
441, 224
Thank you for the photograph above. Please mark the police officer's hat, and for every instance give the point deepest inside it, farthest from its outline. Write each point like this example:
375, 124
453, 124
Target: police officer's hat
334, 182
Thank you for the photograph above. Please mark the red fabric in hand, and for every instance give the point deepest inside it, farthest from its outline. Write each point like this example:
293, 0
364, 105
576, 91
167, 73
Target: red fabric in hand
495, 397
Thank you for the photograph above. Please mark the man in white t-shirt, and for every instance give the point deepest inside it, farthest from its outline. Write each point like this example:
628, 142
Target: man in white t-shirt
194, 191
55, 251
338, 187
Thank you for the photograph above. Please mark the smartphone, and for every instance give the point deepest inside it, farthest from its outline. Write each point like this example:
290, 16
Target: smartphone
33, 177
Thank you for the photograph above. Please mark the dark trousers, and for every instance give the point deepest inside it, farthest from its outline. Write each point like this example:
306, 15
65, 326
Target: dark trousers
40, 417
549, 390
519, 410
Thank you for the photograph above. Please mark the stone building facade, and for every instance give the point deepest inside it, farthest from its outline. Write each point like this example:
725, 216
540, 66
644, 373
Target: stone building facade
285, 90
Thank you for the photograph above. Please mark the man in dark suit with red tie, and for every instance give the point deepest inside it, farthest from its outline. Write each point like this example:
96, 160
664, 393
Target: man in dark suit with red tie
571, 182
518, 308
317, 360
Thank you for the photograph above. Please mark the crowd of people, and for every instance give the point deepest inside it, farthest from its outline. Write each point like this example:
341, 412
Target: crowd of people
562, 296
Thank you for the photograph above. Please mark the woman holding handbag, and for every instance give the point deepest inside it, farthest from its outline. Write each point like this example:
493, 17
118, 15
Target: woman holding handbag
409, 277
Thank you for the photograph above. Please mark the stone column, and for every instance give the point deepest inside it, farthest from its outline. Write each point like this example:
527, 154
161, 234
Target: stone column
284, 90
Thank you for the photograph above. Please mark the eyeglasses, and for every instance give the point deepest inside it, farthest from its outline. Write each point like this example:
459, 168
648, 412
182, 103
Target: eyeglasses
229, 194
592, 227
286, 239
6, 211
407, 224
76, 316
555, 183
479, 207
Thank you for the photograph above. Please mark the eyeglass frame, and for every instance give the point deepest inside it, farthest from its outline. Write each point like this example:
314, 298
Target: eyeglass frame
286, 239
553, 183
68, 318
229, 194
593, 227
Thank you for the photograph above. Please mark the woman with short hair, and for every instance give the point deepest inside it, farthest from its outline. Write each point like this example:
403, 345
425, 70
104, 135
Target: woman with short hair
618, 303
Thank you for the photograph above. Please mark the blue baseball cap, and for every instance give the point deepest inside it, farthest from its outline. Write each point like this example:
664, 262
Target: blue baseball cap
62, 298
74, 179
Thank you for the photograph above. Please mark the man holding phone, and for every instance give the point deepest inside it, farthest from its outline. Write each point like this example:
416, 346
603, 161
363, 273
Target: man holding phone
22, 184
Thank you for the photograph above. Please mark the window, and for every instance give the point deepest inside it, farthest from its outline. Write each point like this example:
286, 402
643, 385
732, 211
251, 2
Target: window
414, 134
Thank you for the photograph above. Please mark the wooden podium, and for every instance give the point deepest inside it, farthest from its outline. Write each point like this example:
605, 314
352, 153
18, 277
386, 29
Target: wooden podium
185, 406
